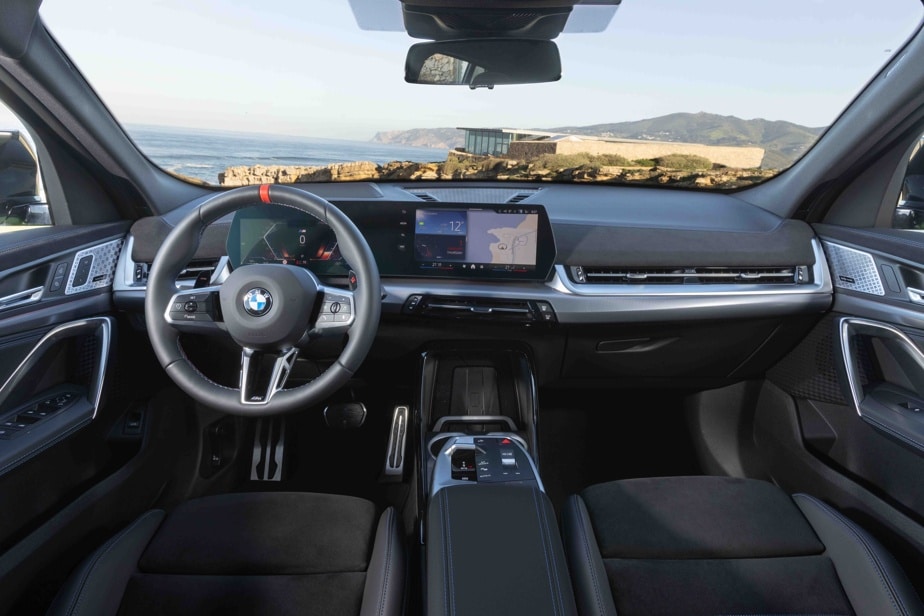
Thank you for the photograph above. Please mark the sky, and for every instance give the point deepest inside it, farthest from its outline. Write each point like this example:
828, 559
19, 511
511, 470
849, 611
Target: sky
308, 69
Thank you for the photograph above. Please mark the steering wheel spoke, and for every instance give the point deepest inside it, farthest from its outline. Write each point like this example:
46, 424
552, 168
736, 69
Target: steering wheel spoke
195, 311
337, 313
261, 379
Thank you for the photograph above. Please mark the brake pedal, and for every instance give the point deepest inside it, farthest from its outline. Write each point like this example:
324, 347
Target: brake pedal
397, 438
268, 449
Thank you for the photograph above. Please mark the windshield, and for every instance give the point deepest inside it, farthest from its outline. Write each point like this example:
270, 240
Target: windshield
709, 94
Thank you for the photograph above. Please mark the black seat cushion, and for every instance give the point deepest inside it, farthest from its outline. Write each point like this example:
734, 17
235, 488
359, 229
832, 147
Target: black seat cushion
713, 545
675, 518
248, 553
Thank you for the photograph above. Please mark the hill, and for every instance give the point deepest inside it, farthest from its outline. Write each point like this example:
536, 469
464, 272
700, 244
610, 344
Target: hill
784, 142
439, 138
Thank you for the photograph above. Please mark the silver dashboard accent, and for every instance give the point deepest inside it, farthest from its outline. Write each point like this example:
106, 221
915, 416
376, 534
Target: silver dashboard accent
578, 304
853, 269
282, 366
23, 298
100, 270
820, 276
124, 279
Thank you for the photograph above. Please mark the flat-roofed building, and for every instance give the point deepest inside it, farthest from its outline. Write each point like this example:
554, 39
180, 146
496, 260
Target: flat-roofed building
521, 143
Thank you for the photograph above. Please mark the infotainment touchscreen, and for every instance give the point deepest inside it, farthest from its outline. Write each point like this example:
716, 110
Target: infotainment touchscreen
475, 239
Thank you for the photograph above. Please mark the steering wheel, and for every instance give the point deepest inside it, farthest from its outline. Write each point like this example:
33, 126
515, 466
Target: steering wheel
268, 310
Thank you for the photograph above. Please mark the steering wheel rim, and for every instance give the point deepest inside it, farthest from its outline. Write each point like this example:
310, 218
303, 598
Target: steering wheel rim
178, 250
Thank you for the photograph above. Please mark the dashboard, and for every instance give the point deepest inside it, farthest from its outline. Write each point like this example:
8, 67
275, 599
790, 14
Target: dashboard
600, 281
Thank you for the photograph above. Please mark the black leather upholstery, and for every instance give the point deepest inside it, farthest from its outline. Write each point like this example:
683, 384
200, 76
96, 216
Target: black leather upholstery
260, 553
720, 545
494, 549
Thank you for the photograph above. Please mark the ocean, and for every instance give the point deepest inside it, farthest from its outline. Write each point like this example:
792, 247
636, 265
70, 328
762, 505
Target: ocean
203, 154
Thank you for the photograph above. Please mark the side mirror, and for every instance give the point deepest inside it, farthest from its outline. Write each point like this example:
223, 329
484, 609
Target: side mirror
483, 63
910, 211
20, 199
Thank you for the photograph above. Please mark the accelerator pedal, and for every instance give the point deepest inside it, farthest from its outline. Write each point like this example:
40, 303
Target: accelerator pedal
397, 439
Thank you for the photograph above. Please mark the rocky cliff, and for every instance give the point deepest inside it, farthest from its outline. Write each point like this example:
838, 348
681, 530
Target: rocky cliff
460, 167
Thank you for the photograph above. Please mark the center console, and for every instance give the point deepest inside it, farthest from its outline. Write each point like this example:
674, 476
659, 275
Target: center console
490, 533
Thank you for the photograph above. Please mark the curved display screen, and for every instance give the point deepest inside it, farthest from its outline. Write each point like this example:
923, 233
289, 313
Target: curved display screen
286, 236
452, 240
501, 240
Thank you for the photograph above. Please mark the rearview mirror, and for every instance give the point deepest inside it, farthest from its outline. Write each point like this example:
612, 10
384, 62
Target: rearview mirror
483, 63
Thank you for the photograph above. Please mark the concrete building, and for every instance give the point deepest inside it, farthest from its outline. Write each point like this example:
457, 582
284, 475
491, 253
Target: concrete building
524, 144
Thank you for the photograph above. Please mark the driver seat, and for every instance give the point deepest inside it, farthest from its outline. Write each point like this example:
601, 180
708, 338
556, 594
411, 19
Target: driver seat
247, 553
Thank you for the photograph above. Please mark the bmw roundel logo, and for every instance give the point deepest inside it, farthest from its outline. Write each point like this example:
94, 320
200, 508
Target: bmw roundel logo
258, 302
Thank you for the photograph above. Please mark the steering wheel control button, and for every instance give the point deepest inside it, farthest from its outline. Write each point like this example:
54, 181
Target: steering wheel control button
191, 306
257, 302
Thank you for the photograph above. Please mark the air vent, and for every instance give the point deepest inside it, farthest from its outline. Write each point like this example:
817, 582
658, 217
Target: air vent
198, 270
195, 273
521, 197
480, 308
472, 194
690, 275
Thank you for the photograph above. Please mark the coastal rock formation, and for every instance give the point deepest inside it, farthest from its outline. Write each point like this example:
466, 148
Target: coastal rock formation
262, 174
462, 167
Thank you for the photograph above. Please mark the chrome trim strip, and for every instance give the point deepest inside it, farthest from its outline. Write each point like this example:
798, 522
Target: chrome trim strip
125, 268
23, 298
103, 327
820, 275
848, 327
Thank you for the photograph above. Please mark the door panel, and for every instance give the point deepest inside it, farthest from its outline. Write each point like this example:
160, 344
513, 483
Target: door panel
76, 458
857, 389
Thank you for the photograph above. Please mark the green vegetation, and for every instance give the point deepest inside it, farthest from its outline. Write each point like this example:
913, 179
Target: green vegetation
644, 162
553, 162
684, 162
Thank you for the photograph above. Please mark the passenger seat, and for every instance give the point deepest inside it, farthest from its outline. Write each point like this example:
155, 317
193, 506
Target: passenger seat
721, 545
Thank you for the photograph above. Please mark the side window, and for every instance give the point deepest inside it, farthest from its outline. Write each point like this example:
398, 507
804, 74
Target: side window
909, 214
22, 194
